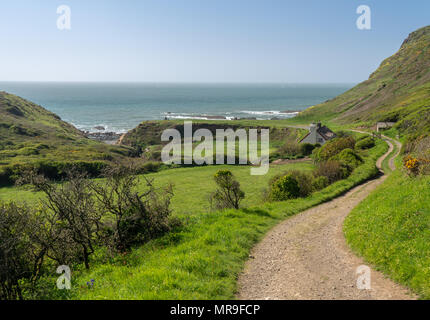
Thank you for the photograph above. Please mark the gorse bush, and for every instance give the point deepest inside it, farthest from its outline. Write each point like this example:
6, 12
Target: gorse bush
349, 158
335, 160
284, 188
333, 170
292, 150
228, 194
320, 183
307, 148
304, 181
365, 143
332, 148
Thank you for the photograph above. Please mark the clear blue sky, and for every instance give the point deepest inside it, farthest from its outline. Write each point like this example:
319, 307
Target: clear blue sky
292, 41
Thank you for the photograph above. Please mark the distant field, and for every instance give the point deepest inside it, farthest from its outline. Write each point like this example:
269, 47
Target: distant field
191, 185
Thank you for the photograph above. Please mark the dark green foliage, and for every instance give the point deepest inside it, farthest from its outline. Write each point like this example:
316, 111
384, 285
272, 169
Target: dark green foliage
20, 257
307, 148
332, 170
138, 216
284, 188
72, 205
53, 170
320, 183
349, 158
366, 143
290, 150
333, 147
293, 150
304, 180
228, 195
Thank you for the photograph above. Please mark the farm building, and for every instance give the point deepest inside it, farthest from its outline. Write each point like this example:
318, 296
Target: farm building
318, 134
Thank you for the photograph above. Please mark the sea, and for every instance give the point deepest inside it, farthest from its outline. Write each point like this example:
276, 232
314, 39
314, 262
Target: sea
119, 107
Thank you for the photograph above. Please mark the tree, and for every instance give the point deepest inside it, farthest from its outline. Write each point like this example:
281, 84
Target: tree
20, 256
228, 194
73, 215
137, 216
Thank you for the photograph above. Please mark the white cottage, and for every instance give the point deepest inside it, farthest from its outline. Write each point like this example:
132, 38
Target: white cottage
318, 134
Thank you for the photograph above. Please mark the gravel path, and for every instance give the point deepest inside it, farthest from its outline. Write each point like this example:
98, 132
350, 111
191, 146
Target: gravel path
306, 256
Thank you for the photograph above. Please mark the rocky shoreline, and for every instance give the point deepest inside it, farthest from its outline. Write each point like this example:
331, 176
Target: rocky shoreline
106, 137
111, 137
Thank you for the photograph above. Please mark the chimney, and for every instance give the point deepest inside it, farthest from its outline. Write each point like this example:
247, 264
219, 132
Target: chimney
313, 127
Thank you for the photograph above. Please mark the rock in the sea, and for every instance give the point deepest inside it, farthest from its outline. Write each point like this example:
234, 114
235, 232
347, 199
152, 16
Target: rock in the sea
99, 128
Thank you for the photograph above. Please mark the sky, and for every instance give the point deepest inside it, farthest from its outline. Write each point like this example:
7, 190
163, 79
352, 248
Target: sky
215, 41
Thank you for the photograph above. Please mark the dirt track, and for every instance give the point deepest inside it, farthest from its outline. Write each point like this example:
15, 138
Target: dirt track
306, 256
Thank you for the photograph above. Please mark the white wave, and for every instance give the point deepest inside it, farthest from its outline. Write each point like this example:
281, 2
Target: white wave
170, 116
276, 113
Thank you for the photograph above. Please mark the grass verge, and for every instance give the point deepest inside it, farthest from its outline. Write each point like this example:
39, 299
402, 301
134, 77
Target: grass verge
391, 230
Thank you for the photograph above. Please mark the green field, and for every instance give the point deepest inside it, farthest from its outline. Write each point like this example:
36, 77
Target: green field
191, 185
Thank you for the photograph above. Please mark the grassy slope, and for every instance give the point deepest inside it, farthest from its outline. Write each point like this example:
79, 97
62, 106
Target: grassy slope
203, 260
30, 133
398, 91
391, 229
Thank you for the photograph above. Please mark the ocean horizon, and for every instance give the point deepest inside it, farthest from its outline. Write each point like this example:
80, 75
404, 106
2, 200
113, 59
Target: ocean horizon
119, 107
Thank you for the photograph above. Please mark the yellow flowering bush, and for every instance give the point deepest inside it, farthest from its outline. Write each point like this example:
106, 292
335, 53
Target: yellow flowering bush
411, 164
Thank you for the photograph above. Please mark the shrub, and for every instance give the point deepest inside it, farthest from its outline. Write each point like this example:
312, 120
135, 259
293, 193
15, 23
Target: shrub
342, 134
72, 205
52, 170
290, 149
332, 148
20, 258
228, 194
332, 170
137, 216
284, 188
349, 158
304, 179
412, 165
306, 149
320, 183
365, 143
149, 167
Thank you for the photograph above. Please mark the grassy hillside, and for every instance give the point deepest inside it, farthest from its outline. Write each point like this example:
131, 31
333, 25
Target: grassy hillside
32, 136
391, 229
398, 91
